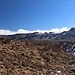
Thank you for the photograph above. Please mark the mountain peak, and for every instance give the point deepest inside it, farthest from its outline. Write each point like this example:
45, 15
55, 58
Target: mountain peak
72, 29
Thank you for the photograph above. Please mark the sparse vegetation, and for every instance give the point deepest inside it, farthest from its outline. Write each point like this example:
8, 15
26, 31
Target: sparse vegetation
35, 57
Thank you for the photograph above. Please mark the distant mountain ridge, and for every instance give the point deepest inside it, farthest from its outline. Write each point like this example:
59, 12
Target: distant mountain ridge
66, 35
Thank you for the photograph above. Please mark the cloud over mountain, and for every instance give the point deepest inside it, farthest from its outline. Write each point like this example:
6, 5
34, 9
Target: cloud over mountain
55, 30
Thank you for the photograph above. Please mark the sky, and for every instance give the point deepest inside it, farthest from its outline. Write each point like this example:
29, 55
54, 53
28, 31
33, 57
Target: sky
36, 15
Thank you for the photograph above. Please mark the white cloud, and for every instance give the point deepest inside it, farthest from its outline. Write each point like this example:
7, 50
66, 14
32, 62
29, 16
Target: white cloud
55, 30
59, 30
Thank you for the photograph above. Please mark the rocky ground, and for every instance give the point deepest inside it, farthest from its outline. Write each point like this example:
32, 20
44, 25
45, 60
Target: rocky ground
39, 57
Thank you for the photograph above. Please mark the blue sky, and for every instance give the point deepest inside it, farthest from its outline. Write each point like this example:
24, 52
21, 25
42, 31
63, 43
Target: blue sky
36, 14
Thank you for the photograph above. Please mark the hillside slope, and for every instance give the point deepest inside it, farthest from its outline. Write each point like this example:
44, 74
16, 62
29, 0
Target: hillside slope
39, 57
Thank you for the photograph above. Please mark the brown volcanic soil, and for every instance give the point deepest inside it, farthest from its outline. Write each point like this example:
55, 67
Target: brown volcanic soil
34, 58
